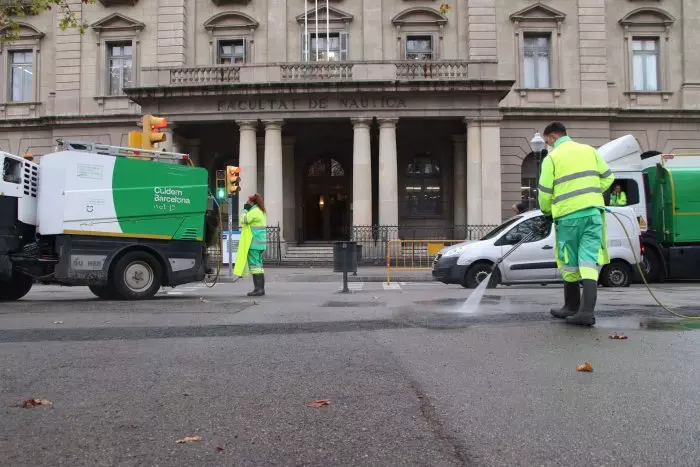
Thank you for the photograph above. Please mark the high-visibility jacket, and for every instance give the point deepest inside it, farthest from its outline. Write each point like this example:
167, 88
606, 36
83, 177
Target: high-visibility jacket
256, 220
573, 177
618, 199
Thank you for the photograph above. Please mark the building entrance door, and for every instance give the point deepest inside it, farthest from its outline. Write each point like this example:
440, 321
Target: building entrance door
326, 200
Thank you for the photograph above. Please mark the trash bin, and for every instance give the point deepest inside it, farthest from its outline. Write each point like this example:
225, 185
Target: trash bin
344, 257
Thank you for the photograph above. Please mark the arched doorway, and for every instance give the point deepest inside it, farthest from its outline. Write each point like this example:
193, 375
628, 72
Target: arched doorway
326, 200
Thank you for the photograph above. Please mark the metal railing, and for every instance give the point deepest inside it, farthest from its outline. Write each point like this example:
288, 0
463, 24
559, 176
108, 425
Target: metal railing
374, 239
413, 255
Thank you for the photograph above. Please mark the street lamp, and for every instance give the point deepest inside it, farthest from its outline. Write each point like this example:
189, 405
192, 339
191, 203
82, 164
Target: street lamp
538, 146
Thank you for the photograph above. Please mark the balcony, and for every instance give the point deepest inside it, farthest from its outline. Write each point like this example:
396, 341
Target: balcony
249, 74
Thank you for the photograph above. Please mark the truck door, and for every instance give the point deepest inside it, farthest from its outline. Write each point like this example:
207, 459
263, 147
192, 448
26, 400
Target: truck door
533, 260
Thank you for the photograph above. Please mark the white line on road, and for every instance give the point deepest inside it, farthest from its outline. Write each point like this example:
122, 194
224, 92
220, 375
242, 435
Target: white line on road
393, 286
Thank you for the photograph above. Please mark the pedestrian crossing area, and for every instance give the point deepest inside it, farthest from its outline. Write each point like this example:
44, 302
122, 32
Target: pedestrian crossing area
183, 289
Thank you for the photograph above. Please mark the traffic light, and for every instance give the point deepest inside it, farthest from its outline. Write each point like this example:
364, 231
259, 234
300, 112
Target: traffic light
135, 138
220, 184
233, 179
149, 130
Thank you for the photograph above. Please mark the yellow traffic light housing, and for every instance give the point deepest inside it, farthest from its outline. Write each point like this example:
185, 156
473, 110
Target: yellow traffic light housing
149, 130
233, 179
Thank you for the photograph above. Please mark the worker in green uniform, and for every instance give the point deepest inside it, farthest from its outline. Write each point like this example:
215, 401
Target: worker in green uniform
251, 246
618, 197
571, 186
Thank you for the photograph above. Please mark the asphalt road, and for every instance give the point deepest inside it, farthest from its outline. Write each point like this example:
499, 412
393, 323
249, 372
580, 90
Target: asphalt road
410, 382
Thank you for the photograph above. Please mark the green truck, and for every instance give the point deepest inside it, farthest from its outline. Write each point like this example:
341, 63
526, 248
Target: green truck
122, 221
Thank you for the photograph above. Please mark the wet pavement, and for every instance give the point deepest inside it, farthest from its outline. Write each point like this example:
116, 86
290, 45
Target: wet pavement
410, 381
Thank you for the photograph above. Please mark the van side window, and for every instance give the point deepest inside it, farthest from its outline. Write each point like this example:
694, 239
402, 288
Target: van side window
535, 225
11, 171
629, 187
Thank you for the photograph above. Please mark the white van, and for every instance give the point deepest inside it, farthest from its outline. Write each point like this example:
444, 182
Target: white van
469, 263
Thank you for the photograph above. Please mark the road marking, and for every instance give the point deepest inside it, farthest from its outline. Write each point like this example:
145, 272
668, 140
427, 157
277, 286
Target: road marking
354, 286
393, 286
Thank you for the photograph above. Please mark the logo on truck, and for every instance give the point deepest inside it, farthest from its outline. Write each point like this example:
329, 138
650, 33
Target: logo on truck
169, 195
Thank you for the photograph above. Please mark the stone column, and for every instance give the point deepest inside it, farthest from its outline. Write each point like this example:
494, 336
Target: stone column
290, 206
460, 182
247, 160
274, 194
361, 172
388, 173
491, 208
474, 173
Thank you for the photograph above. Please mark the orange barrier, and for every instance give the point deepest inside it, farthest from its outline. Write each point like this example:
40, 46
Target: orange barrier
413, 255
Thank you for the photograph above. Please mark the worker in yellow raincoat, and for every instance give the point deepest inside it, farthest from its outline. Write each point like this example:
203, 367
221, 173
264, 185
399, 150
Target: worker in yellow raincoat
570, 191
251, 245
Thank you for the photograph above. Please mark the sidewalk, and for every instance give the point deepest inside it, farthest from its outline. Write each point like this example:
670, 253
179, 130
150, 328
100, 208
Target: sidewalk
320, 274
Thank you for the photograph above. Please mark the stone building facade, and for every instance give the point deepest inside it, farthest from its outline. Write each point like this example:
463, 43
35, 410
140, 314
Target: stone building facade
367, 112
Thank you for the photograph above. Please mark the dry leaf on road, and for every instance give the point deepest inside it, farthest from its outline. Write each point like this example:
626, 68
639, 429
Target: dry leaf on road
58, 322
319, 403
189, 439
617, 336
31, 403
219, 449
584, 367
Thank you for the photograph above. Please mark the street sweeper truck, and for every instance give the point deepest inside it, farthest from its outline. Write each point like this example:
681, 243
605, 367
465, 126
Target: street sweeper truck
122, 221
664, 191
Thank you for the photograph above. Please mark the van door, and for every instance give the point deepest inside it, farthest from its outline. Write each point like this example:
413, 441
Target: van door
534, 260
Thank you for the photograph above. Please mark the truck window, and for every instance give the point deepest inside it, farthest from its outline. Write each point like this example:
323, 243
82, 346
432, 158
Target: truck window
629, 187
11, 171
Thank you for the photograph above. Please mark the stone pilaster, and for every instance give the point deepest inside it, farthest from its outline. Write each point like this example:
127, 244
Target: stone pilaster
247, 160
372, 23
474, 211
593, 53
460, 180
274, 187
361, 173
388, 173
277, 32
172, 29
68, 57
289, 190
482, 29
691, 71
491, 172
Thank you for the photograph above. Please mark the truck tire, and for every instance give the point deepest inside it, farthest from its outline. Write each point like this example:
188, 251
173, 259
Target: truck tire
20, 286
136, 276
616, 274
651, 265
105, 292
478, 272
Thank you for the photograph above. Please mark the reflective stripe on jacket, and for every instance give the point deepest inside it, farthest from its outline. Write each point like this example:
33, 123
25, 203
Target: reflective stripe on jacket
257, 221
573, 177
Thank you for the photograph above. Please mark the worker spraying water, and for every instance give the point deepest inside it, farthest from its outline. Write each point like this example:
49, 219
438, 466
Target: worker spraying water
572, 181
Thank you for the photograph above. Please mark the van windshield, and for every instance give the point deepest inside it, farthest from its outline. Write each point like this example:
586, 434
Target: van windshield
497, 231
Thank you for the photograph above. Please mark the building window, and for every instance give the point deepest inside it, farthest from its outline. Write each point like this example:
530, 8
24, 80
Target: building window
423, 186
326, 47
420, 48
231, 51
120, 65
537, 61
645, 64
21, 76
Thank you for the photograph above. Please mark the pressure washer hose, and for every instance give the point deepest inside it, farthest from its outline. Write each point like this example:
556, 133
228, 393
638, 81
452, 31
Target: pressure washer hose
641, 273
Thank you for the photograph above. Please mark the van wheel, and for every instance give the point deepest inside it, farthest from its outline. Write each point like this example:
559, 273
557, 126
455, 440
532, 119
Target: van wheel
105, 292
617, 274
478, 273
18, 287
651, 265
136, 276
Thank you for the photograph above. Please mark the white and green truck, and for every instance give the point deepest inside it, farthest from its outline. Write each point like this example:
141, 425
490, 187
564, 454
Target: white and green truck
122, 221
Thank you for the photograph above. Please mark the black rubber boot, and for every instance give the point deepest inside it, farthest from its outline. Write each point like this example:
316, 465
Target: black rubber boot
259, 281
572, 301
256, 286
585, 315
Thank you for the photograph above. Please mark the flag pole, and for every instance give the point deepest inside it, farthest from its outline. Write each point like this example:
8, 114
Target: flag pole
328, 34
316, 14
306, 30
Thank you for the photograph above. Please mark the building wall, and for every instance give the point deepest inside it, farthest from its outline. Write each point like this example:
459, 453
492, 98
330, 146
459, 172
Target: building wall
590, 64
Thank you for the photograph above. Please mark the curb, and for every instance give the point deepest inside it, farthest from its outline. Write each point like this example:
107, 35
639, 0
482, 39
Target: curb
338, 277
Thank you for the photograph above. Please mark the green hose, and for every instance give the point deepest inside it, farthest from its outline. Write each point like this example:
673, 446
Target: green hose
641, 273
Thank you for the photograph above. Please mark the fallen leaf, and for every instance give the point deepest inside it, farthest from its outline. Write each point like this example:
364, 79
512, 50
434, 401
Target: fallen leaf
584, 367
58, 322
219, 448
203, 300
31, 403
617, 336
189, 439
319, 403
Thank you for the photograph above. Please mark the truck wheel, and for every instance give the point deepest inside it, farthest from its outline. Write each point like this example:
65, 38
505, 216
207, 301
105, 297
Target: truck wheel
136, 276
651, 265
477, 273
105, 292
20, 286
617, 274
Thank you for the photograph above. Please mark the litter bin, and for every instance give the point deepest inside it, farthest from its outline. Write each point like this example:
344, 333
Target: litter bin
345, 257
